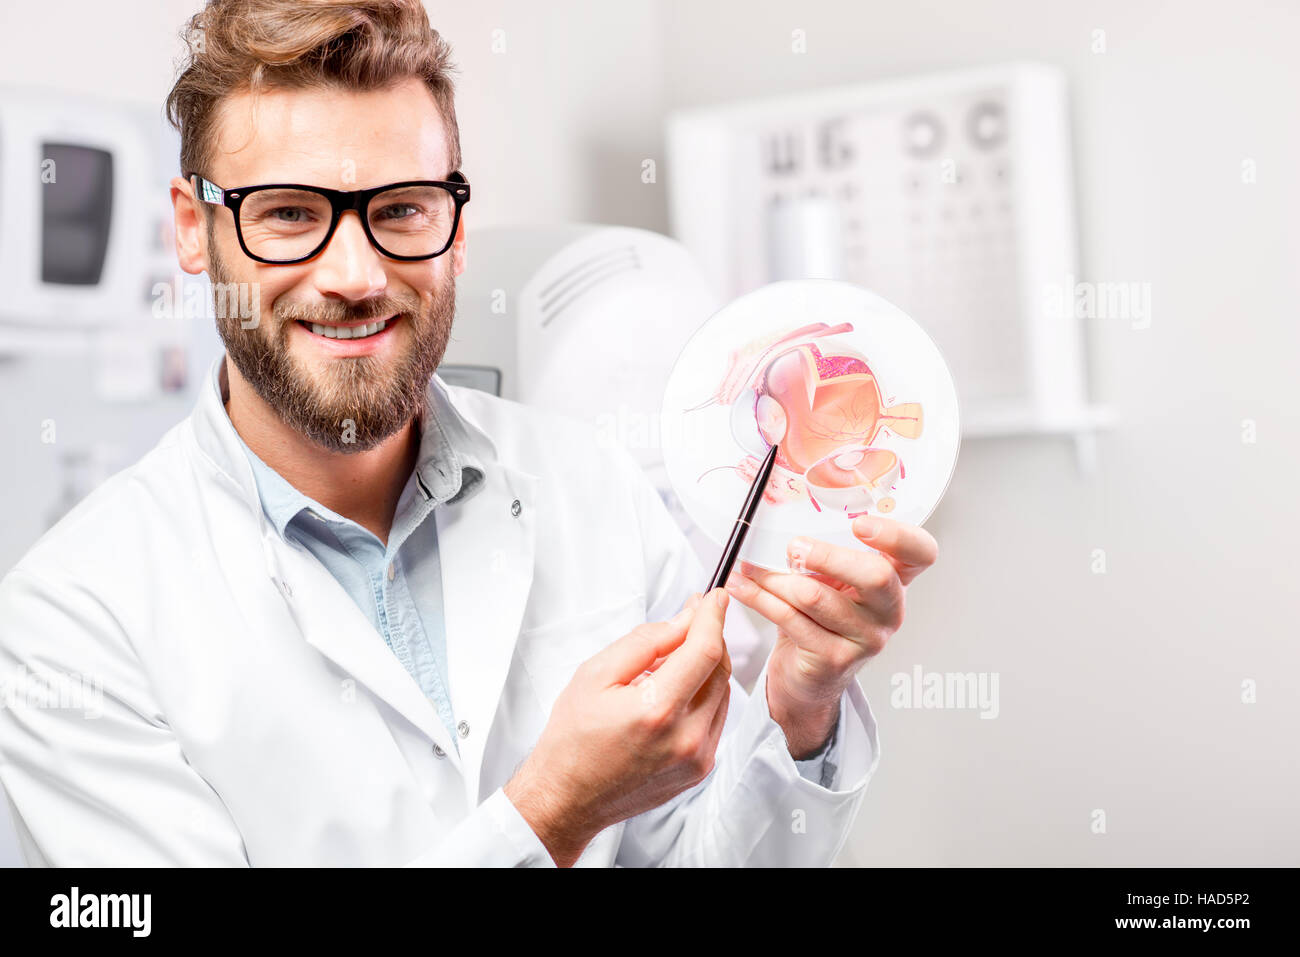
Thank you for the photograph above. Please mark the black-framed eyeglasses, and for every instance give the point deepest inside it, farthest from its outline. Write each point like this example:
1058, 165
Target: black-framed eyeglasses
285, 223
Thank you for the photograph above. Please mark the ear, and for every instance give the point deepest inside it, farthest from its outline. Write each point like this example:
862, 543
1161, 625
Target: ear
191, 230
458, 255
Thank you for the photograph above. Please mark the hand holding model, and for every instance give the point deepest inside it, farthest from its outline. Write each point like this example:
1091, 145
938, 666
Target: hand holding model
836, 610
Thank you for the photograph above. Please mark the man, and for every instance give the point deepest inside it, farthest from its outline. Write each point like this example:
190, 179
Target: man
347, 614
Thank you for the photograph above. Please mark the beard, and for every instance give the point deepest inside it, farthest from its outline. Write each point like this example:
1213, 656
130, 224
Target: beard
349, 404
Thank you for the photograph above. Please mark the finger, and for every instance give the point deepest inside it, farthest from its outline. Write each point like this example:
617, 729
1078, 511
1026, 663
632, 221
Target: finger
875, 578
909, 548
689, 667
648, 672
708, 704
706, 699
719, 718
806, 632
621, 661
690, 603
801, 597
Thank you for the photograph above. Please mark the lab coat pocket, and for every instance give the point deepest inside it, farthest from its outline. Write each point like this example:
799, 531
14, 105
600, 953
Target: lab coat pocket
552, 652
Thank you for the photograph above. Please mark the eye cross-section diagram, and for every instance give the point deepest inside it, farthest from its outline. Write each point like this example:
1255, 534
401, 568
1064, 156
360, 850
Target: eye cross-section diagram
854, 394
826, 408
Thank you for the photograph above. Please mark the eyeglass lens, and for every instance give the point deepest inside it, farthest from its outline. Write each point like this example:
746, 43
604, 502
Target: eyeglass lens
289, 223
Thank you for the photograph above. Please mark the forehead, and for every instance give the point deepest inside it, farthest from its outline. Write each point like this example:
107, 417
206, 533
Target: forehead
322, 136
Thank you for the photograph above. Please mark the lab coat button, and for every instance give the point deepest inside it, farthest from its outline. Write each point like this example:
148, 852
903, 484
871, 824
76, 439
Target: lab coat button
392, 570
284, 587
516, 508
437, 749
463, 728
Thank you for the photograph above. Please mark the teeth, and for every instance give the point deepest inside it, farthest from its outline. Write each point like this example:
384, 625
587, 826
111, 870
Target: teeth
345, 332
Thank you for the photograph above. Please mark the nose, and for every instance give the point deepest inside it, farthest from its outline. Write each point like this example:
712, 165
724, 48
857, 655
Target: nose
350, 268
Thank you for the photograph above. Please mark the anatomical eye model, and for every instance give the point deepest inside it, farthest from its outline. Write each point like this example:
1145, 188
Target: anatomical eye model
826, 411
859, 400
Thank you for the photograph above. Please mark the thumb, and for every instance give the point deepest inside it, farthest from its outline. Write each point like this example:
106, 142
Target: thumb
637, 651
688, 606
704, 650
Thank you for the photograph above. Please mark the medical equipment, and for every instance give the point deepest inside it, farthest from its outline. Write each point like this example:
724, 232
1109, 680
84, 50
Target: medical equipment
79, 210
484, 378
87, 254
583, 320
949, 195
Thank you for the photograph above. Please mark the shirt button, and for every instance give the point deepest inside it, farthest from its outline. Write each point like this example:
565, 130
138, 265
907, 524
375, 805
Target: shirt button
437, 750
516, 508
392, 570
463, 728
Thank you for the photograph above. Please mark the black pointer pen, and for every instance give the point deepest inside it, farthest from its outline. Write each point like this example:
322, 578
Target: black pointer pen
732, 550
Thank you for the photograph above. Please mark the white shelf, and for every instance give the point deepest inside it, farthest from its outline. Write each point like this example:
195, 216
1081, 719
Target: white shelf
1089, 419
1081, 426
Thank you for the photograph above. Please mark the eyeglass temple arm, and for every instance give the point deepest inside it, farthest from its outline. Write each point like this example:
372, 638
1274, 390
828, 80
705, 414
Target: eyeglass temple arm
210, 192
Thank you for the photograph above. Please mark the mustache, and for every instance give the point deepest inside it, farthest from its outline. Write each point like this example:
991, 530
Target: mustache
333, 310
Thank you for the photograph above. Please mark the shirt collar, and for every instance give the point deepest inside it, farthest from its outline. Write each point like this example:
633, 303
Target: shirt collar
446, 471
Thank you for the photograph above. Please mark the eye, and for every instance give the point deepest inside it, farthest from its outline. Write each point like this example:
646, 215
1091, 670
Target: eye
289, 215
394, 211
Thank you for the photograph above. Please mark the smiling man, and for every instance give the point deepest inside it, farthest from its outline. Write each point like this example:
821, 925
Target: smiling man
346, 614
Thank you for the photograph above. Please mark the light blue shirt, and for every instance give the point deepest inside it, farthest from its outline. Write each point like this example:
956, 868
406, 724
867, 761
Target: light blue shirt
397, 586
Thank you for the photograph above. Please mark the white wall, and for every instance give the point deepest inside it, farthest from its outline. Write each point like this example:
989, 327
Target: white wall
1118, 691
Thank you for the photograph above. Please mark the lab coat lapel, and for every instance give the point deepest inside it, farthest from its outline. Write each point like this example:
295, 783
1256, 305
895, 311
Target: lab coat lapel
486, 552
332, 623
326, 616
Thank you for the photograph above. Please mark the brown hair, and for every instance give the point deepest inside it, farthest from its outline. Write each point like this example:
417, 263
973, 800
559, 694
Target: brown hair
236, 46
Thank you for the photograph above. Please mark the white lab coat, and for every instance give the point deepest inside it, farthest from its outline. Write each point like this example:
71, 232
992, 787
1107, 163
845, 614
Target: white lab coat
251, 714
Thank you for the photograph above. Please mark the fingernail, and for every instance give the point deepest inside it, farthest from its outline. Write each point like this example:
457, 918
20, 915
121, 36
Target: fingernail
866, 527
721, 597
798, 550
735, 580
